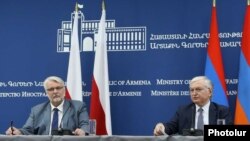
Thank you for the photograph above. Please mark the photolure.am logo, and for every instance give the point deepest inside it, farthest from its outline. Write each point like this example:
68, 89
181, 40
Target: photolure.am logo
234, 132
118, 38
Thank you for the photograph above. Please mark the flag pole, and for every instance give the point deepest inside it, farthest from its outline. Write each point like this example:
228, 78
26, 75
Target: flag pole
103, 5
76, 7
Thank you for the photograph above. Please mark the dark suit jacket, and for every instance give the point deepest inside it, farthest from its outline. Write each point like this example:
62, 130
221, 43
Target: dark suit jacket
184, 118
75, 115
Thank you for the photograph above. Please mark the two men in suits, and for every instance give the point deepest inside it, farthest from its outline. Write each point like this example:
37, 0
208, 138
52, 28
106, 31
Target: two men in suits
186, 117
72, 115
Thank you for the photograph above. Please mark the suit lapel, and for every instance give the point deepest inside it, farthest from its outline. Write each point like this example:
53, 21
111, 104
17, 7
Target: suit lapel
65, 116
47, 119
212, 114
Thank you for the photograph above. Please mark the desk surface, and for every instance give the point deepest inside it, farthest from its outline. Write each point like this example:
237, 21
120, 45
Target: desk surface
100, 138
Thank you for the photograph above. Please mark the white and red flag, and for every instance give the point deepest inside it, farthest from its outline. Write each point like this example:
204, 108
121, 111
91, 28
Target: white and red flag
74, 76
100, 98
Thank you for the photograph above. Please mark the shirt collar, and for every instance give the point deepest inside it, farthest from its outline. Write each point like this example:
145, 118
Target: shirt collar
59, 107
205, 107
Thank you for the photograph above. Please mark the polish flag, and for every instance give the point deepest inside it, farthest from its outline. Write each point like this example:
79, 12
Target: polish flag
74, 77
100, 99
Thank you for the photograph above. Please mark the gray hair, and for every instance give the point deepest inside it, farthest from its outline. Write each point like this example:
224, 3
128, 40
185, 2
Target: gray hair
52, 78
206, 80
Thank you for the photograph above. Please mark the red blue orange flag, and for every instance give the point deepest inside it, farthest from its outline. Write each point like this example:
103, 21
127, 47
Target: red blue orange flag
242, 110
214, 69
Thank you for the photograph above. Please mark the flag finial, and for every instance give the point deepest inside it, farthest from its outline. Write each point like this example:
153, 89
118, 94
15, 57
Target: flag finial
76, 7
214, 3
103, 5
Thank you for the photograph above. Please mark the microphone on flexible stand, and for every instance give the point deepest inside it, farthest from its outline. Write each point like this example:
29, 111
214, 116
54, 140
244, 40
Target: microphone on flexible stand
60, 131
192, 131
192, 120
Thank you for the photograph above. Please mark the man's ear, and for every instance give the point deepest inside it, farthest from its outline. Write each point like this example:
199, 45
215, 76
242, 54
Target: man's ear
210, 90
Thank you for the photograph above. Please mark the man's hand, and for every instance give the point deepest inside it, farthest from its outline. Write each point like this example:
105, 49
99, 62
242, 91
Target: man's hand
13, 131
159, 129
79, 132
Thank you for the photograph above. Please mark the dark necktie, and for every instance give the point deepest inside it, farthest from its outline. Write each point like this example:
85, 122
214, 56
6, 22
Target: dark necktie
200, 123
54, 124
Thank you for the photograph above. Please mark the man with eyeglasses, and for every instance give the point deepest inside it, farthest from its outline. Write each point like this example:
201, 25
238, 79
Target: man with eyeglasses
59, 112
195, 115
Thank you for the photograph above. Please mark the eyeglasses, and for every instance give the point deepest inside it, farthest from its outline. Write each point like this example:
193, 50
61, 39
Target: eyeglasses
196, 89
56, 88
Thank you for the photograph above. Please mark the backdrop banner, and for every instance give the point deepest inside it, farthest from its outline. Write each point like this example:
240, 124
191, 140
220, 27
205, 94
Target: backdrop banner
154, 48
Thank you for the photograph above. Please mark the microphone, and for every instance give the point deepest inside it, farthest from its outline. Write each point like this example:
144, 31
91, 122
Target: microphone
60, 130
12, 127
61, 122
193, 119
192, 131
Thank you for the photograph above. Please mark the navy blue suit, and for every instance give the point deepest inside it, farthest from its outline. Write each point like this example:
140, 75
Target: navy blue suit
184, 118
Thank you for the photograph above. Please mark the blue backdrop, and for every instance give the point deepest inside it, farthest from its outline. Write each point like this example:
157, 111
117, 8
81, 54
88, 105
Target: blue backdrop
157, 46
